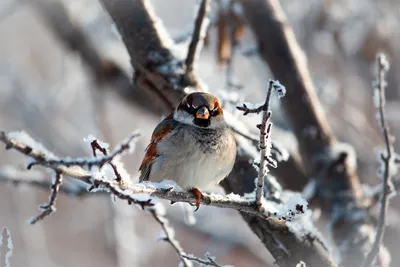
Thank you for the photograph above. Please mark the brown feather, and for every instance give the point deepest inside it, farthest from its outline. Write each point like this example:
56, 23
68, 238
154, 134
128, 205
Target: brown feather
159, 133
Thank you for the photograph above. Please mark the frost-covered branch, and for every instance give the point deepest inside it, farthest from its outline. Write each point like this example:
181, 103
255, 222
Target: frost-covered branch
265, 132
134, 193
387, 158
50, 207
170, 236
207, 261
186, 259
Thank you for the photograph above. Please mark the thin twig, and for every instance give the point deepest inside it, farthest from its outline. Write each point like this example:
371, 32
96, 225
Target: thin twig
169, 236
196, 37
208, 261
49, 207
265, 129
387, 159
265, 142
97, 161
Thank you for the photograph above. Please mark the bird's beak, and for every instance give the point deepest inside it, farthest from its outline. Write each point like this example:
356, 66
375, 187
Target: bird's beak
202, 113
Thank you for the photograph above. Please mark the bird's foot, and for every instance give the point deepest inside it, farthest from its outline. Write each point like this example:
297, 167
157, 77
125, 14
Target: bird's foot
198, 196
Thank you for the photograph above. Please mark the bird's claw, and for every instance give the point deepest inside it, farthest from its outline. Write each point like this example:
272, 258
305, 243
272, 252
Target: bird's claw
198, 196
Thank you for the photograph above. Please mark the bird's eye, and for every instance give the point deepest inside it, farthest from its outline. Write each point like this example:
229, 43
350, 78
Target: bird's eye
214, 112
190, 109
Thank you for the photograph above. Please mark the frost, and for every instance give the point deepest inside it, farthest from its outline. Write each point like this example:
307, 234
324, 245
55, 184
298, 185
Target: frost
189, 217
163, 185
383, 61
303, 227
279, 88
234, 197
294, 205
6, 232
280, 152
160, 210
26, 139
88, 140
140, 197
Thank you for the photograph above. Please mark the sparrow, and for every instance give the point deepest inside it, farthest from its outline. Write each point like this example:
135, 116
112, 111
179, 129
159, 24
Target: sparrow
193, 146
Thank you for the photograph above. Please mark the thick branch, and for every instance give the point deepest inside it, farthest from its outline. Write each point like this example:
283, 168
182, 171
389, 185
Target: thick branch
104, 71
157, 70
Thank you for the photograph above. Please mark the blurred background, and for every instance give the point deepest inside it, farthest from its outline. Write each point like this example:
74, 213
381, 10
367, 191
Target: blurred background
49, 91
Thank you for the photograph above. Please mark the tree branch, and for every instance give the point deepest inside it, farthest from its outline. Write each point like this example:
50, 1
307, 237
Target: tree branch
127, 190
340, 187
200, 28
104, 71
157, 70
169, 236
49, 207
388, 158
265, 142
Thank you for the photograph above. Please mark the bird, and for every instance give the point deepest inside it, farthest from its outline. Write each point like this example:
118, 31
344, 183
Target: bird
193, 146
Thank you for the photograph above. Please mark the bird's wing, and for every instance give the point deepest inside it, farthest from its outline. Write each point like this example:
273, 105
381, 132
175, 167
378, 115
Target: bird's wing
162, 129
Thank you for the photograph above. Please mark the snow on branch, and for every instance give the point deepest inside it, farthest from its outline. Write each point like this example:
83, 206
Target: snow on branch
265, 132
387, 158
141, 193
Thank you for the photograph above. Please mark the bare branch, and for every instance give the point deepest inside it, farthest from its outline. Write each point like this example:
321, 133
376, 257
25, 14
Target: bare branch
321, 153
208, 261
49, 207
199, 30
169, 237
388, 159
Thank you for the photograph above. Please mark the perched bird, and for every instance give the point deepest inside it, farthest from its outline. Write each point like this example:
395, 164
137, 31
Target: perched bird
193, 146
